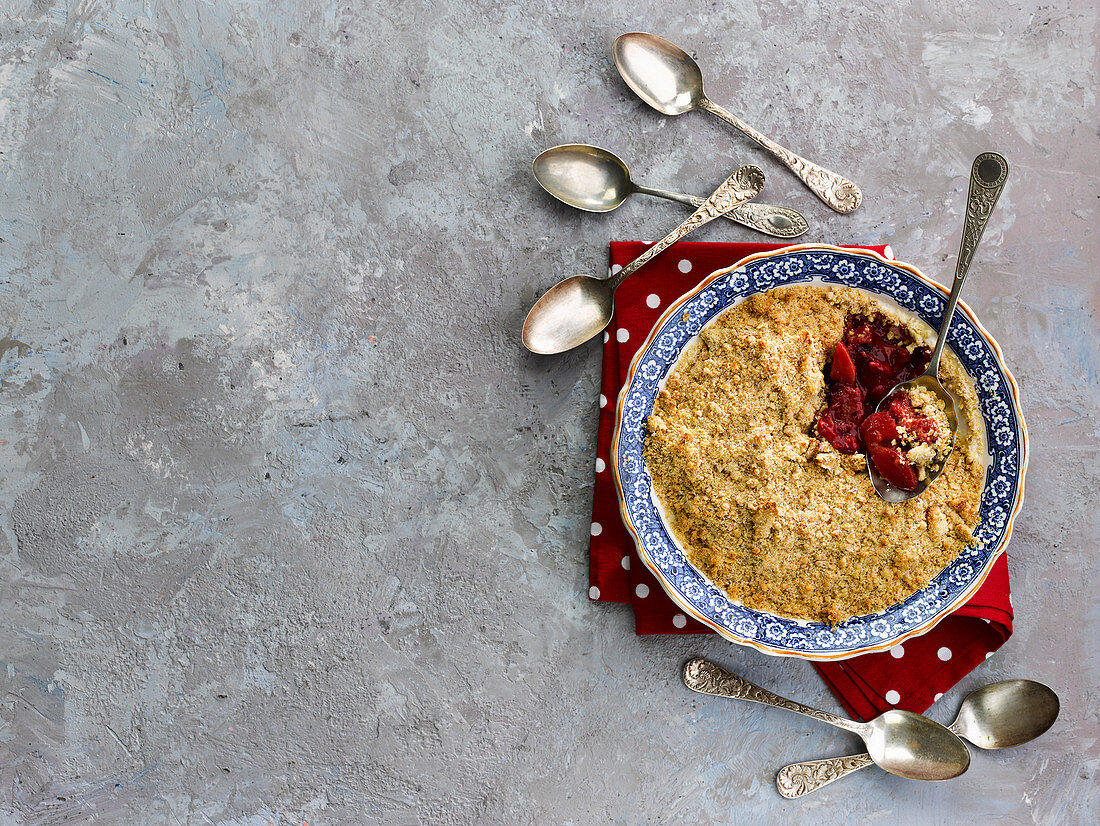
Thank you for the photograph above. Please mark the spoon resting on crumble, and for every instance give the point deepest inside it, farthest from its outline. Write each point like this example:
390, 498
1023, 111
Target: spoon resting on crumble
894, 474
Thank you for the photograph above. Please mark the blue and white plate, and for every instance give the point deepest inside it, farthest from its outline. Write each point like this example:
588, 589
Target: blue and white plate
1005, 438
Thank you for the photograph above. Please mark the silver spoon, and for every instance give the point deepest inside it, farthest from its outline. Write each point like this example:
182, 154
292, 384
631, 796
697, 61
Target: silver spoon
901, 742
996, 716
596, 180
987, 179
664, 76
576, 309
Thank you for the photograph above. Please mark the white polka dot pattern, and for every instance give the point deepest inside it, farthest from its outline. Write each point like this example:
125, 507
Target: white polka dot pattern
892, 697
897, 652
642, 590
597, 528
679, 620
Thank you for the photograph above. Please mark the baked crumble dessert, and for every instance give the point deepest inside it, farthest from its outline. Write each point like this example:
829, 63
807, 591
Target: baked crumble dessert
758, 443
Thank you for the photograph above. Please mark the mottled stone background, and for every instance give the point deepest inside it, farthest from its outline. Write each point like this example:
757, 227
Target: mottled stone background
294, 530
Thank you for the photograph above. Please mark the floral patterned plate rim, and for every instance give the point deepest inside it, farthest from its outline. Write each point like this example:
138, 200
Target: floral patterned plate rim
998, 400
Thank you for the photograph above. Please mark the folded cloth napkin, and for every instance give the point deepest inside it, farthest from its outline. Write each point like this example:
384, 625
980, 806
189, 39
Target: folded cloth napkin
911, 675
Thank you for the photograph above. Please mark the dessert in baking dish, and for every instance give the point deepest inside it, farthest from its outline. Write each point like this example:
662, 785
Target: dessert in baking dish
758, 442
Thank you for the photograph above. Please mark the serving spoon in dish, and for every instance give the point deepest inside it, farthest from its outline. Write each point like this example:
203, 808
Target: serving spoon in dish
987, 179
665, 76
578, 308
596, 180
996, 716
903, 743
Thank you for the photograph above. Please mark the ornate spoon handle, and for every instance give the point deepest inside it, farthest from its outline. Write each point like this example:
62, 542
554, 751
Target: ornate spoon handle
778, 221
743, 185
987, 179
798, 779
707, 678
835, 190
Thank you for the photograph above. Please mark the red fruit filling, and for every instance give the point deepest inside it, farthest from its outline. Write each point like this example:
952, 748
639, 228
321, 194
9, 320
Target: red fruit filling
838, 424
872, 356
879, 429
843, 369
882, 361
893, 466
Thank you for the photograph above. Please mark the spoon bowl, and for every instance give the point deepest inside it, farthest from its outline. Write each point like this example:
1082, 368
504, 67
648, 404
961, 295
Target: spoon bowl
1006, 714
916, 747
585, 177
660, 73
568, 314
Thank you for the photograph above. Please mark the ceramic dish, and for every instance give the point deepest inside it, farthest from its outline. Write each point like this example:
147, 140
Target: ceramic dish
1005, 439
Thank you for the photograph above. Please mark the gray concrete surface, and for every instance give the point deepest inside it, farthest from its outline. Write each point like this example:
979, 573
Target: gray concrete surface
294, 531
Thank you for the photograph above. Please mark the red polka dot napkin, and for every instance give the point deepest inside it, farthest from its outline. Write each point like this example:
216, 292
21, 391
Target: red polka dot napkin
912, 675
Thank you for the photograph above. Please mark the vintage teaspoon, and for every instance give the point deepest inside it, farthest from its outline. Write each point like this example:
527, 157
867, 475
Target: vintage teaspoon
576, 309
596, 180
987, 179
664, 76
996, 716
901, 742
